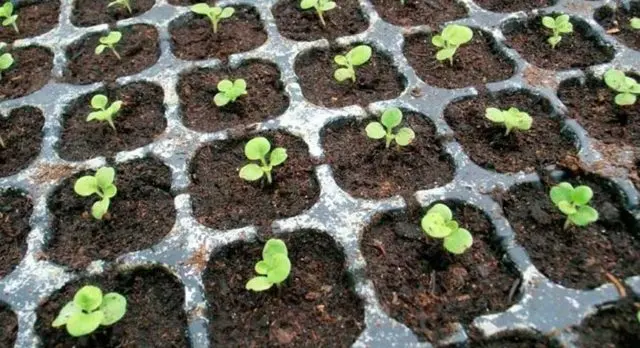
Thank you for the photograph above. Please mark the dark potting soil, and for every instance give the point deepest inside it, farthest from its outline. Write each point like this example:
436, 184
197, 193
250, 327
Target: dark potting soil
375, 80
192, 35
511, 340
612, 327
140, 215
222, 200
314, 307
419, 12
579, 256
475, 63
423, 286
21, 133
8, 326
138, 48
33, 19
155, 316
304, 25
617, 23
139, 121
30, 71
489, 147
369, 170
265, 97
91, 12
15, 210
514, 5
579, 49
191, 2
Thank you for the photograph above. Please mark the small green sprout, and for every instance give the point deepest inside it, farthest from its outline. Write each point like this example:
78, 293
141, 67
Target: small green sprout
274, 268
6, 12
122, 3
626, 87
99, 102
439, 223
100, 184
215, 14
559, 25
356, 57
635, 23
109, 41
573, 202
321, 7
257, 149
452, 37
512, 118
229, 91
390, 119
90, 309
6, 59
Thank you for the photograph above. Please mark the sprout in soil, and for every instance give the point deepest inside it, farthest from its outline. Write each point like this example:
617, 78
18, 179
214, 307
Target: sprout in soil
320, 5
390, 119
122, 3
100, 184
90, 309
6, 60
274, 268
626, 87
511, 119
439, 223
559, 25
635, 23
109, 41
215, 14
452, 37
574, 203
99, 102
229, 91
6, 12
356, 57
257, 149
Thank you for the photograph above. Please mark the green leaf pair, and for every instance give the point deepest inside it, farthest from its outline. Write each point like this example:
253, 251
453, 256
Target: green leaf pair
559, 25
99, 102
6, 12
6, 59
439, 223
90, 309
321, 6
274, 267
122, 3
215, 14
257, 149
452, 37
100, 184
109, 41
626, 87
635, 23
573, 202
390, 119
356, 57
229, 91
511, 119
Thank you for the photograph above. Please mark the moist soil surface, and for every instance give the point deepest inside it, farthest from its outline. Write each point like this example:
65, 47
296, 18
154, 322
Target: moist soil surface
21, 133
138, 48
15, 210
510, 340
155, 316
419, 12
33, 19
140, 120
30, 71
612, 327
475, 63
304, 25
192, 35
265, 97
314, 307
139, 216
423, 286
489, 147
617, 23
513, 5
579, 256
91, 12
222, 200
369, 170
8, 326
375, 80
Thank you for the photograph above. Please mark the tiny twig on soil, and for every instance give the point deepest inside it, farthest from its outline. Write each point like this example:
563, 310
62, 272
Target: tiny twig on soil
616, 282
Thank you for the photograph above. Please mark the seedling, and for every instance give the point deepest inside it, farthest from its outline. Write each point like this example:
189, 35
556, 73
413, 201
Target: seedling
439, 223
90, 309
122, 3
626, 87
512, 119
321, 7
356, 57
100, 184
635, 23
229, 91
573, 202
559, 25
215, 14
99, 102
6, 12
274, 268
109, 41
390, 119
6, 59
452, 37
257, 149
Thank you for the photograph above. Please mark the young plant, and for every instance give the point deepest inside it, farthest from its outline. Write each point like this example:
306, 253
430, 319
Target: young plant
122, 3
439, 223
356, 57
6, 60
559, 25
390, 119
626, 87
274, 268
215, 14
321, 6
451, 38
229, 91
99, 102
6, 12
635, 23
109, 42
573, 202
100, 184
257, 149
90, 309
512, 119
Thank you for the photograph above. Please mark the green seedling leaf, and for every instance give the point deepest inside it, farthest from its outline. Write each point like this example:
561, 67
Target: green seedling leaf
451, 38
88, 298
109, 41
215, 14
274, 267
122, 3
67, 311
573, 202
511, 119
321, 6
260, 283
229, 91
81, 324
635, 23
257, 149
99, 208
439, 223
100, 184
559, 25
6, 61
458, 241
6, 12
99, 102
114, 307
390, 119
627, 87
358, 56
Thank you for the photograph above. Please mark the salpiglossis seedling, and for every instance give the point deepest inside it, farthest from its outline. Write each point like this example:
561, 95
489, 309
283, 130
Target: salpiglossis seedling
439, 223
122, 3
6, 12
511, 119
229, 91
626, 87
390, 119
355, 57
100, 184
274, 268
99, 102
6, 59
452, 37
257, 149
215, 14
110, 42
635, 23
560, 25
573, 202
321, 6
89, 310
